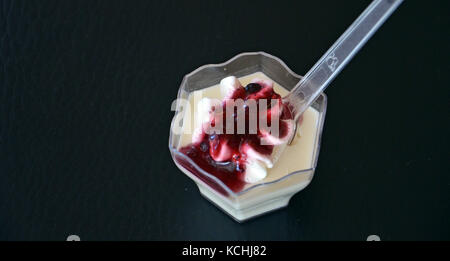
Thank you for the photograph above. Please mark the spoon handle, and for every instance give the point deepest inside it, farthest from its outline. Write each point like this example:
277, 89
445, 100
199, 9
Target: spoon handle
339, 54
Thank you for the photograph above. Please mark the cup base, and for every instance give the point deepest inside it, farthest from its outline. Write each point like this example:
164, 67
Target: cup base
242, 213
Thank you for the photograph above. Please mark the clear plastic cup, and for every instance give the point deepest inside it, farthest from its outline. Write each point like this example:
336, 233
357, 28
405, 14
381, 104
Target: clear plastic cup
250, 200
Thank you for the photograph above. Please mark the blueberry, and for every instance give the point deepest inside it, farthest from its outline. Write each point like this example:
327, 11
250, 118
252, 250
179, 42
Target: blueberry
252, 87
204, 147
192, 153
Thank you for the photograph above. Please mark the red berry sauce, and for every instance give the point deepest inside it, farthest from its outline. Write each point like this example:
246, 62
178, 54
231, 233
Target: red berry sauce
231, 168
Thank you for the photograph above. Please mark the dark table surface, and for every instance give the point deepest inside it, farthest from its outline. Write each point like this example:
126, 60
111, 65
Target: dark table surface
85, 95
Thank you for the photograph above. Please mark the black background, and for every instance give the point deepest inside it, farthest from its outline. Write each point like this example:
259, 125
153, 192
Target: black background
85, 95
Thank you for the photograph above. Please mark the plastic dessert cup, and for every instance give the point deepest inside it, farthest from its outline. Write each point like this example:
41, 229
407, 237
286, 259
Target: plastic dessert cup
253, 199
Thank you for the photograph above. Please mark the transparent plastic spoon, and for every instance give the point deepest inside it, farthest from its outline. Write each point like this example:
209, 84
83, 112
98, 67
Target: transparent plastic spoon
337, 57
339, 54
